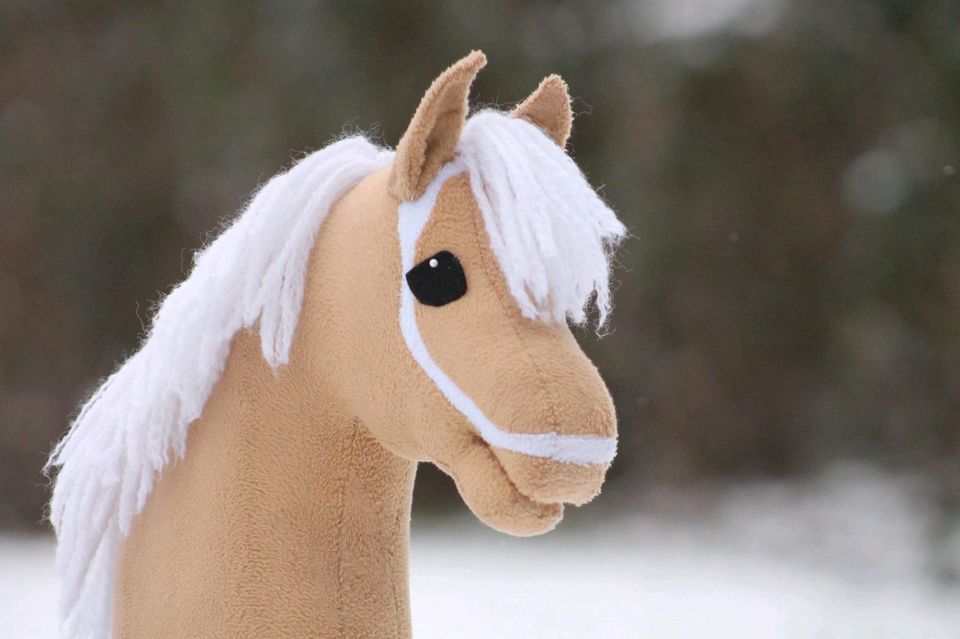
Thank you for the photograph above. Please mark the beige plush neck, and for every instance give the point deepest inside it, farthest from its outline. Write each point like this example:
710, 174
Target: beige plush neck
286, 519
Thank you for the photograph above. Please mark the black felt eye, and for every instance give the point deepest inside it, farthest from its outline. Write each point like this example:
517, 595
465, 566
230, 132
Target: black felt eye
438, 280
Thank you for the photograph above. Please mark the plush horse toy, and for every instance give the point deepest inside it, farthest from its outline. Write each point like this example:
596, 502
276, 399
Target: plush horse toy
249, 471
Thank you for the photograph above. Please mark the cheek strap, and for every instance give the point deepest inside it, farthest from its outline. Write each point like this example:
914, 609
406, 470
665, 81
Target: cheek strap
583, 450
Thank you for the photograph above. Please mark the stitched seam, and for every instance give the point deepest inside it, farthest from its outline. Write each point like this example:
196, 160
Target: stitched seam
249, 427
341, 507
552, 408
396, 590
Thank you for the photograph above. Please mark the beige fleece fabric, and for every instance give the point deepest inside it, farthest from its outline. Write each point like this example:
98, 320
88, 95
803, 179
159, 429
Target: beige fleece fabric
549, 108
289, 515
434, 131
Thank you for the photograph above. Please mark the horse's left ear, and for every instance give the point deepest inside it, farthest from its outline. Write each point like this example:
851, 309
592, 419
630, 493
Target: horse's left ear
549, 108
434, 131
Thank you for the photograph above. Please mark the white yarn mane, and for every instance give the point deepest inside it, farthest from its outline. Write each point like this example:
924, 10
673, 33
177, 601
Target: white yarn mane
128, 430
550, 232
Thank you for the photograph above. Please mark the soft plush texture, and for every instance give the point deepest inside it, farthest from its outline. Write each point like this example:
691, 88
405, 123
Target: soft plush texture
255, 458
573, 449
137, 421
549, 108
433, 133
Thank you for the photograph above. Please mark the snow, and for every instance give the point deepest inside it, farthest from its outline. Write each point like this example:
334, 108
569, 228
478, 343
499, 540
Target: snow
28, 589
843, 556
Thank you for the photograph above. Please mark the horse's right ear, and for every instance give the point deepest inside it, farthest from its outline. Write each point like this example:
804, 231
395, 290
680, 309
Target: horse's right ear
434, 131
549, 108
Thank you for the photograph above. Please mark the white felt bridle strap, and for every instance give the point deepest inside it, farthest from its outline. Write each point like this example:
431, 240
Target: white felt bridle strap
573, 449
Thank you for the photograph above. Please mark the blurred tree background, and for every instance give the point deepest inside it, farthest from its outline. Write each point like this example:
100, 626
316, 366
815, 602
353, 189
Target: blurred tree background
791, 293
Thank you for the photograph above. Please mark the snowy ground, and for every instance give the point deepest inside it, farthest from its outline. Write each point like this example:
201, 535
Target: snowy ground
844, 556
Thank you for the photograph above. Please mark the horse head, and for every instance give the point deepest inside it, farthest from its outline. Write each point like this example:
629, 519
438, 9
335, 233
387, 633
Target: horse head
455, 280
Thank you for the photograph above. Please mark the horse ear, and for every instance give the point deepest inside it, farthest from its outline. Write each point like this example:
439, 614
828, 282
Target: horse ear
434, 131
549, 108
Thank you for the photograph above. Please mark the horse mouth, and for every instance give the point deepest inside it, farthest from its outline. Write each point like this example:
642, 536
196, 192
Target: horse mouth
516, 493
552, 482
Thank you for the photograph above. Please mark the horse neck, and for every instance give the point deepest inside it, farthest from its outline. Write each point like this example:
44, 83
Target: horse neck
285, 517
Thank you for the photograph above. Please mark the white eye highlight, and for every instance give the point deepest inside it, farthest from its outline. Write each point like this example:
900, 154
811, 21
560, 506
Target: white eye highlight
434, 263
